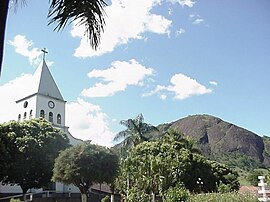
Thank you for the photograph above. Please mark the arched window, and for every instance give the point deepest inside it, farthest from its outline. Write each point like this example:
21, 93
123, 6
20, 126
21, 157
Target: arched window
58, 118
31, 114
24, 115
19, 117
42, 114
50, 116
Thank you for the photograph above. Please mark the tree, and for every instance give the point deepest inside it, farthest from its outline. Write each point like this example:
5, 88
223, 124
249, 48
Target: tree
87, 12
30, 150
85, 164
252, 176
152, 168
180, 140
225, 175
6, 153
135, 133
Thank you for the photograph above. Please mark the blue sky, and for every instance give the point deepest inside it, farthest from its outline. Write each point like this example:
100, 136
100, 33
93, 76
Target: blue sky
165, 59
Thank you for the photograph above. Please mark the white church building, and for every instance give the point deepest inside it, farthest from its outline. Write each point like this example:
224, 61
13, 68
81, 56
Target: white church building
45, 101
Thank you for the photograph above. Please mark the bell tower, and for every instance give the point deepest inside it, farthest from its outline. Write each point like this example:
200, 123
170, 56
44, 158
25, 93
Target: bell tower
45, 101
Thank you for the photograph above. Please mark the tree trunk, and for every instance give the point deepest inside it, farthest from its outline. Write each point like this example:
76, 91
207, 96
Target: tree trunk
112, 197
3, 20
24, 189
24, 197
153, 197
84, 197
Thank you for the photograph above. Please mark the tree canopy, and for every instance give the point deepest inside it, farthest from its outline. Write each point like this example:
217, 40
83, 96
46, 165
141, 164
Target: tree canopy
29, 150
85, 164
153, 167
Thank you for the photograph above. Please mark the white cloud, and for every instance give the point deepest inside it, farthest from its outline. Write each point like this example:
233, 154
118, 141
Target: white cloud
170, 11
198, 21
85, 120
182, 87
163, 97
191, 16
180, 31
213, 83
23, 46
157, 90
49, 63
126, 20
117, 78
88, 122
11, 92
196, 18
188, 3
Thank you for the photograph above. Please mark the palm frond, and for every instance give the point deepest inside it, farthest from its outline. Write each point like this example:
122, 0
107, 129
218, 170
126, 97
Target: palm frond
15, 4
135, 133
88, 12
121, 135
124, 123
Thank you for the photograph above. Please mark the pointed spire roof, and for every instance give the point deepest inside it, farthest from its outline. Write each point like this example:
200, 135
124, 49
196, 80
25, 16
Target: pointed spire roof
44, 82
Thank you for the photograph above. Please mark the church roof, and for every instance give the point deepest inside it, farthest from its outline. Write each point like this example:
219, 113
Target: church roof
44, 82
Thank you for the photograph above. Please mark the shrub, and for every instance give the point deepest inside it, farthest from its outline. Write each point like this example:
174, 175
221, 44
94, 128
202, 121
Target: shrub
176, 194
15, 200
137, 195
224, 188
105, 199
225, 197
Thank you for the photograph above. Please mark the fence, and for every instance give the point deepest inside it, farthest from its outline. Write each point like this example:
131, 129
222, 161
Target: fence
51, 196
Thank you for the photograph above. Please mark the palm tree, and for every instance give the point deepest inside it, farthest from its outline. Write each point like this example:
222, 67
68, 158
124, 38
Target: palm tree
136, 131
88, 12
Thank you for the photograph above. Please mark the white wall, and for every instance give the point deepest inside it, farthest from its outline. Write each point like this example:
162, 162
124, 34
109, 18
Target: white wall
42, 103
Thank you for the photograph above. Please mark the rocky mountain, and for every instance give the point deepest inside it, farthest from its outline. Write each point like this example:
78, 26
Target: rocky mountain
223, 141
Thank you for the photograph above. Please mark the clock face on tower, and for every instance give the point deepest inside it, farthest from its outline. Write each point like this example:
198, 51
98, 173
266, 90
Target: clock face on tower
51, 104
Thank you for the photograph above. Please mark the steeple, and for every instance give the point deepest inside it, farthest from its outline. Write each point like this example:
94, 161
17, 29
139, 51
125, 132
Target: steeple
44, 82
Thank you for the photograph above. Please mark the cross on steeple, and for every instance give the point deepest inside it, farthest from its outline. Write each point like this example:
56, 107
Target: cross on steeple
44, 52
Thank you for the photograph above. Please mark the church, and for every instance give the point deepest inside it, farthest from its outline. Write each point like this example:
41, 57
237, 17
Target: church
47, 102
